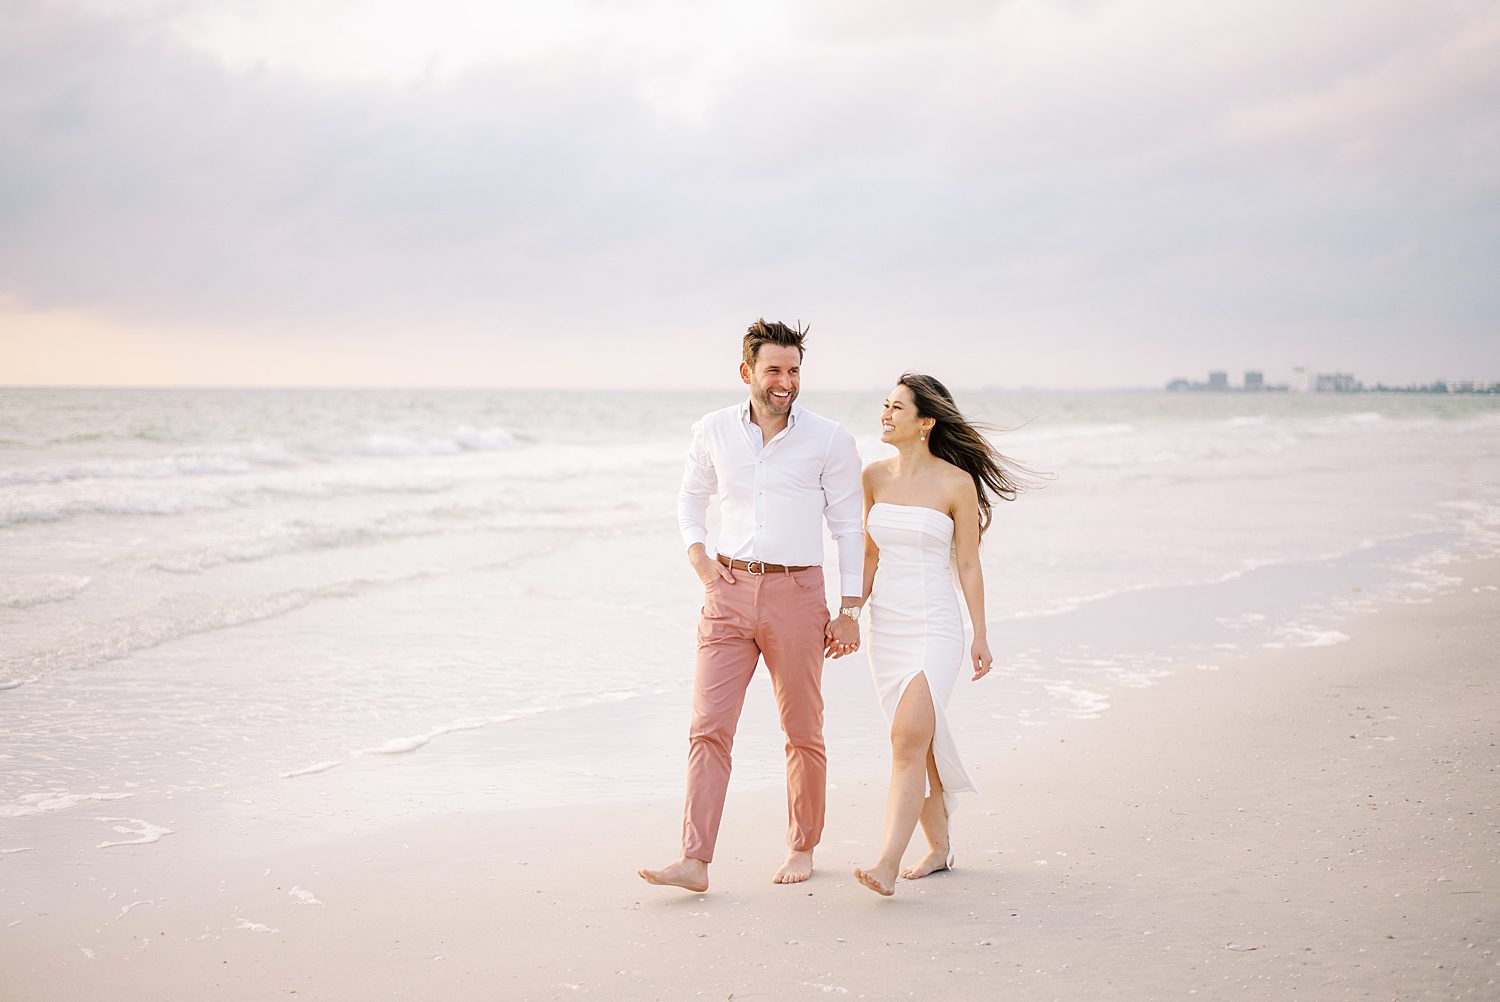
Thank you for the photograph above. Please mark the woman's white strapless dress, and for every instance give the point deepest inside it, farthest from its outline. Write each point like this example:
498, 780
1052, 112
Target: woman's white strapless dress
915, 624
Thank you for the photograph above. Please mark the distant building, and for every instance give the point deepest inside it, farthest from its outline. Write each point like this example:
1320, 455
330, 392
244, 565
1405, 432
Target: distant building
1337, 382
1218, 382
1300, 381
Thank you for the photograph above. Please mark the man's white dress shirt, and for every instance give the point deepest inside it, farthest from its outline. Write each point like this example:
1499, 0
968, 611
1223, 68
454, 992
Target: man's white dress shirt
773, 496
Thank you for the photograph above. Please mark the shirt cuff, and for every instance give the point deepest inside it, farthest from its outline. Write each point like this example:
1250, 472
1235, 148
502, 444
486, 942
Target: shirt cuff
694, 535
852, 584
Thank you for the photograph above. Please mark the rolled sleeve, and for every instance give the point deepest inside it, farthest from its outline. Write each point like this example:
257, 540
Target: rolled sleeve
699, 481
843, 508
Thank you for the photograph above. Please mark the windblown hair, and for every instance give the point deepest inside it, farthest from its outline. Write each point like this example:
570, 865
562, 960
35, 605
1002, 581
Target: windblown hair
763, 332
963, 443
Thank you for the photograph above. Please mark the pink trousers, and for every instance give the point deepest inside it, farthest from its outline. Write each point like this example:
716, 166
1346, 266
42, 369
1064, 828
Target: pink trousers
780, 617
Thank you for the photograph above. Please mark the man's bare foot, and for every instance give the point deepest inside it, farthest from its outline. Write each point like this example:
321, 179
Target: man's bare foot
937, 859
880, 879
687, 872
797, 868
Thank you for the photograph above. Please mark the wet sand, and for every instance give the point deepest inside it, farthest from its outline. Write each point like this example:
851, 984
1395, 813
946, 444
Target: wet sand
1317, 823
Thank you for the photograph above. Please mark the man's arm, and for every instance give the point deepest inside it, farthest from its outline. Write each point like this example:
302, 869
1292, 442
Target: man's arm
843, 508
699, 481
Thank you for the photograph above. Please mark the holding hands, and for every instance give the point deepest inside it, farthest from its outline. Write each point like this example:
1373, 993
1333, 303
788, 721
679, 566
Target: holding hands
840, 637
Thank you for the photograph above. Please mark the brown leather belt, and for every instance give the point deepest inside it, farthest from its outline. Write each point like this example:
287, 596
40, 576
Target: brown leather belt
760, 567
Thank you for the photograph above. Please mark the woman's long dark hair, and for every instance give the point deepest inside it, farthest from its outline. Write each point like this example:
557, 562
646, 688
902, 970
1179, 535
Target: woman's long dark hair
961, 442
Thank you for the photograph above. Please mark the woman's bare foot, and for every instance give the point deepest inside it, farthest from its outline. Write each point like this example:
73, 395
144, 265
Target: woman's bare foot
880, 879
797, 868
688, 873
937, 859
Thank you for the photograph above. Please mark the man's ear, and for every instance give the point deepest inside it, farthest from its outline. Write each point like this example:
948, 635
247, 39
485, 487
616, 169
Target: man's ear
745, 373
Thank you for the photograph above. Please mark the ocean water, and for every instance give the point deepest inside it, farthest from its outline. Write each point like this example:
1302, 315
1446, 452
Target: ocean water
233, 616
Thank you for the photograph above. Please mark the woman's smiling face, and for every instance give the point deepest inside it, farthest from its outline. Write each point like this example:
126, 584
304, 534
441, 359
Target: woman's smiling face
899, 422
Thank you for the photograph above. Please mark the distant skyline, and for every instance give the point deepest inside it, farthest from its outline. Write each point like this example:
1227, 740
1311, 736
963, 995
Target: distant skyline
1086, 194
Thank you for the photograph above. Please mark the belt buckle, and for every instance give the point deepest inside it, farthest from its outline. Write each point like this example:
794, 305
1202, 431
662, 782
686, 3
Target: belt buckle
750, 566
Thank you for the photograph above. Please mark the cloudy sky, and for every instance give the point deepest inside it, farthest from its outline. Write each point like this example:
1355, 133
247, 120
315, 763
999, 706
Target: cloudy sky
1050, 193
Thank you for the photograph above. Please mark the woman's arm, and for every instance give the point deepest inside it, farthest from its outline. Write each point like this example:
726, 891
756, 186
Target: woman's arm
872, 552
970, 573
831, 646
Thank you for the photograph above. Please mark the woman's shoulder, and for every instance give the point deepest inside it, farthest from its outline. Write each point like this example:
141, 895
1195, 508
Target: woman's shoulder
949, 473
956, 481
877, 469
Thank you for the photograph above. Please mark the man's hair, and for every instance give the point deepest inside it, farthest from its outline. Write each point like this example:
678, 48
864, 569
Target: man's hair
762, 332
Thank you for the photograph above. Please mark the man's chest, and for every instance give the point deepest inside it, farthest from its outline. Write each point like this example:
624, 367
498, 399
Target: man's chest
781, 467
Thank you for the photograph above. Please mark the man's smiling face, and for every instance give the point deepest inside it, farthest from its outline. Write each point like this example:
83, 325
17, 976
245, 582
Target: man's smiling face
775, 379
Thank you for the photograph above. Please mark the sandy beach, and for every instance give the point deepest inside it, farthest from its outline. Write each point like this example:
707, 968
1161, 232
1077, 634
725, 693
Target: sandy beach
1316, 823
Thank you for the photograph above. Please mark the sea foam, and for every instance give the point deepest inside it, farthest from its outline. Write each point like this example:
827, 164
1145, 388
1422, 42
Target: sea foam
145, 832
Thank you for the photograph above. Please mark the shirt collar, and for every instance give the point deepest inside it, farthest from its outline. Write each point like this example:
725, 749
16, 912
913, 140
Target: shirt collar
791, 419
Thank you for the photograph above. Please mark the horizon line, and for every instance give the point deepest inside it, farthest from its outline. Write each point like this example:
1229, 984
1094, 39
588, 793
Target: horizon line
531, 388
1276, 388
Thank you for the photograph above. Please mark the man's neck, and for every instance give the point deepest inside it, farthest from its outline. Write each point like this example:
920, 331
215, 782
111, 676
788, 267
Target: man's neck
769, 426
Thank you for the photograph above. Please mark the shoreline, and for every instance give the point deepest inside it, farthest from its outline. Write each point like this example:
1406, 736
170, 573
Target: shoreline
470, 760
1320, 820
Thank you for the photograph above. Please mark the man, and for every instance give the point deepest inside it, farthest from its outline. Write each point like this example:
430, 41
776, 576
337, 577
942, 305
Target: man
778, 471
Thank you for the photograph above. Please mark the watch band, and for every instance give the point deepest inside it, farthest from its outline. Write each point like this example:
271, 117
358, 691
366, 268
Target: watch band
851, 612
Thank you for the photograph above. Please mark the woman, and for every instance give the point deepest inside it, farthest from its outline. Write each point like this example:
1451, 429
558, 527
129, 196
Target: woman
928, 503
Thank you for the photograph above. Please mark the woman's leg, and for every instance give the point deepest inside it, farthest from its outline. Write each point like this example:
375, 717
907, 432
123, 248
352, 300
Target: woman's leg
934, 826
911, 743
